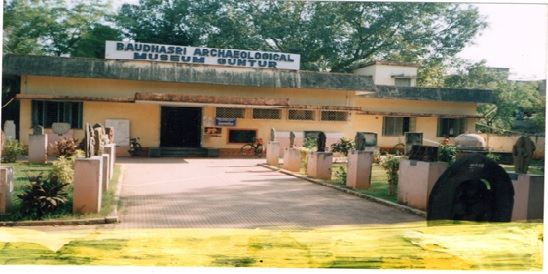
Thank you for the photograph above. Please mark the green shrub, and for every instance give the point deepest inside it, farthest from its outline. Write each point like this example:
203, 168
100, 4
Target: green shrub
341, 175
42, 197
11, 150
447, 153
493, 157
343, 146
392, 165
310, 142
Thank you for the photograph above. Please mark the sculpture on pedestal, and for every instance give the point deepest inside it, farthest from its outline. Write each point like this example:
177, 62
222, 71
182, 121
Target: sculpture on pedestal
321, 142
523, 153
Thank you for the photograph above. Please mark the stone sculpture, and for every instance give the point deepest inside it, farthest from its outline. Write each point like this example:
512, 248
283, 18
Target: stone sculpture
321, 142
291, 139
38, 130
88, 143
100, 137
360, 141
474, 188
110, 134
523, 153
272, 135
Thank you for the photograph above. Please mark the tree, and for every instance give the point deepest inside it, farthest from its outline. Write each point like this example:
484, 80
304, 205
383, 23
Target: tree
51, 27
510, 96
332, 36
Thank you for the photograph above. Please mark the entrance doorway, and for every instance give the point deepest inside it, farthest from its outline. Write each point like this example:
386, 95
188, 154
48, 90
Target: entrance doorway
180, 127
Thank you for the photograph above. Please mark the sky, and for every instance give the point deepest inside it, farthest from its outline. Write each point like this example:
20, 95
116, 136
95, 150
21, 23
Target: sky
515, 39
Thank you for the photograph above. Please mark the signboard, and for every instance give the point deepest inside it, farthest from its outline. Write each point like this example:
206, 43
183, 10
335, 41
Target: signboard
225, 122
208, 56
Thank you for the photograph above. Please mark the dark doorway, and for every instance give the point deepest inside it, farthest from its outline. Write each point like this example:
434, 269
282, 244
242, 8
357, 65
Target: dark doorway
181, 127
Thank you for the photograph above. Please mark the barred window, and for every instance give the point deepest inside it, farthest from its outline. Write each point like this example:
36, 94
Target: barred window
226, 112
451, 126
267, 113
329, 115
300, 114
395, 126
45, 113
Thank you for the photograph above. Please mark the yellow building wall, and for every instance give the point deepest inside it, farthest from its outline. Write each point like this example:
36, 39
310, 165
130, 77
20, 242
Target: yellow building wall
145, 118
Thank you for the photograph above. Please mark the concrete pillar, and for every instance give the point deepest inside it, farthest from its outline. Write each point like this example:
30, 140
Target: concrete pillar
319, 165
416, 180
273, 153
528, 197
88, 177
358, 174
38, 148
110, 149
106, 172
292, 159
6, 188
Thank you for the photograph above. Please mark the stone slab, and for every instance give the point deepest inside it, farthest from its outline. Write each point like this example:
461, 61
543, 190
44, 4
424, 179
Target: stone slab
273, 153
528, 197
319, 165
292, 159
6, 188
360, 164
88, 176
38, 149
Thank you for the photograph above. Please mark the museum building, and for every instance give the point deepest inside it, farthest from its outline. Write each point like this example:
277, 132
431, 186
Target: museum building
209, 102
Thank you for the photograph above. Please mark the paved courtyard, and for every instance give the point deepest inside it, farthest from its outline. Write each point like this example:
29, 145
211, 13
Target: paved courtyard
235, 193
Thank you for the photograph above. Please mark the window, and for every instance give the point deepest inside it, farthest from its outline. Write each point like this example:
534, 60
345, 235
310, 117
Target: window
267, 113
328, 115
451, 126
403, 82
45, 113
300, 114
395, 126
225, 112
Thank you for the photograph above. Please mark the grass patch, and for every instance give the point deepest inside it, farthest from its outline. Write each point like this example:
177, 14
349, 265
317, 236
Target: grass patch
22, 170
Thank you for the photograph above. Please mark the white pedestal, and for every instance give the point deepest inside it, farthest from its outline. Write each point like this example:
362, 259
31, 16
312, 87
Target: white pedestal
292, 159
319, 165
38, 149
358, 174
273, 153
88, 177
106, 172
110, 149
6, 188
528, 197
416, 180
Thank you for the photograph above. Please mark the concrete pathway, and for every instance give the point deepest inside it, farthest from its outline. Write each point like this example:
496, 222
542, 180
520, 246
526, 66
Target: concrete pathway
235, 193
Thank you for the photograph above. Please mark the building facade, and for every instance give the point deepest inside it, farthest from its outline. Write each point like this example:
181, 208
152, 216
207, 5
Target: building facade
209, 107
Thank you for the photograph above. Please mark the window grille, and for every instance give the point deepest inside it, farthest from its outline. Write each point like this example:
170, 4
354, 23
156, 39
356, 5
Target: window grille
328, 115
451, 126
227, 112
301, 114
45, 113
267, 113
395, 126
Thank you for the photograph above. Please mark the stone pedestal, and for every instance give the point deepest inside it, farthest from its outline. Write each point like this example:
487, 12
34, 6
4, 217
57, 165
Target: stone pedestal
292, 159
110, 149
416, 180
528, 197
319, 165
38, 149
106, 172
273, 153
88, 178
6, 188
358, 174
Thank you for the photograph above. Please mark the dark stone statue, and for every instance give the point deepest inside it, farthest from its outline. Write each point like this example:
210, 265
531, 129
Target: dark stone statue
291, 139
474, 188
360, 141
321, 142
523, 153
